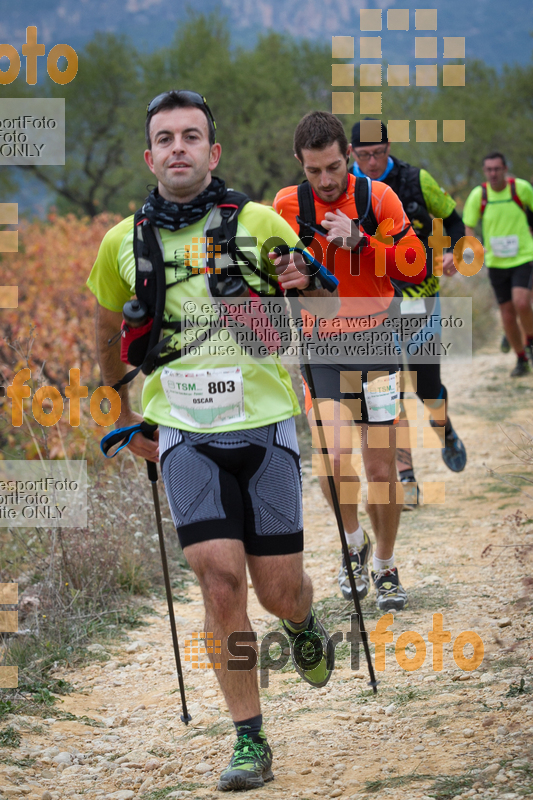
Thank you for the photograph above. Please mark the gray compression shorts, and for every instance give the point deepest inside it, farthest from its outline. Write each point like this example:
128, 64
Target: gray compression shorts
235, 485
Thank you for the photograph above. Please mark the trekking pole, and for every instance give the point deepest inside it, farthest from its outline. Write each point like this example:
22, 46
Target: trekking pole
329, 282
337, 509
152, 477
124, 436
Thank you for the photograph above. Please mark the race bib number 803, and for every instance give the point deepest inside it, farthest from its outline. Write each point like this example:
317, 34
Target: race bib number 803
206, 398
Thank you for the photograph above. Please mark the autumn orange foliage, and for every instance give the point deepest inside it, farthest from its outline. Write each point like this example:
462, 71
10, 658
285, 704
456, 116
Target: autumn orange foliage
50, 269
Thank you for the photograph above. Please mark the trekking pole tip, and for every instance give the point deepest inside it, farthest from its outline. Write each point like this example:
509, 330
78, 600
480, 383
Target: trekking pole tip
186, 719
374, 685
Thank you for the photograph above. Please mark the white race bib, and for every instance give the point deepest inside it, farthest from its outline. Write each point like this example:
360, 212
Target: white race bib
504, 246
413, 305
205, 398
382, 398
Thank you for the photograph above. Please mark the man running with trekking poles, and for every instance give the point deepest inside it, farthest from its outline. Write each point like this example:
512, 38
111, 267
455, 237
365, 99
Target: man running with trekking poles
359, 402
229, 458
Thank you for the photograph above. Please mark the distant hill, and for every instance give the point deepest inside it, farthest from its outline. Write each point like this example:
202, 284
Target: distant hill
496, 32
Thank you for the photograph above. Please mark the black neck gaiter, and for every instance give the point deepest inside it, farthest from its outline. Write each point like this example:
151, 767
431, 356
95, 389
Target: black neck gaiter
173, 216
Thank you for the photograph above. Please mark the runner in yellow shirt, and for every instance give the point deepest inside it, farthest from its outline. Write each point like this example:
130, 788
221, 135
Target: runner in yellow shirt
505, 206
231, 467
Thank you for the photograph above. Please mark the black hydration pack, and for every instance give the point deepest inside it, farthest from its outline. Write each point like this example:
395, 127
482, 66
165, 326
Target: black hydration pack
143, 347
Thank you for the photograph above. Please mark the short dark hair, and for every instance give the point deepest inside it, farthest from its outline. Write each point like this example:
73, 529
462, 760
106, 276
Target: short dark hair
177, 99
496, 154
318, 130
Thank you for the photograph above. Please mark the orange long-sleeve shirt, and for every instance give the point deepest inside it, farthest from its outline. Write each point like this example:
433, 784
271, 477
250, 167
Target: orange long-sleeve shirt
356, 272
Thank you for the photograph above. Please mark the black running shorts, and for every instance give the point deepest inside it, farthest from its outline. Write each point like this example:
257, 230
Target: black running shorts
351, 382
504, 280
236, 485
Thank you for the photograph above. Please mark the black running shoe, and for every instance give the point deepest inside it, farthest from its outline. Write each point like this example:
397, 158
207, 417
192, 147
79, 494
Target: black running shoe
391, 594
505, 347
309, 651
453, 452
521, 368
250, 766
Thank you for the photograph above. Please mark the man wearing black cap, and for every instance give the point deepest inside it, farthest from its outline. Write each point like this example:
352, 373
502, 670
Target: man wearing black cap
422, 199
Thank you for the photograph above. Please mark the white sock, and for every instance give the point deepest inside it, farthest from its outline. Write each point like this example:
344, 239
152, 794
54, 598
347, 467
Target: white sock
355, 539
383, 563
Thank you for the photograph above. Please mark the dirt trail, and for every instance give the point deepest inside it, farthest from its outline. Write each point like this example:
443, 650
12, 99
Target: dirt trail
444, 734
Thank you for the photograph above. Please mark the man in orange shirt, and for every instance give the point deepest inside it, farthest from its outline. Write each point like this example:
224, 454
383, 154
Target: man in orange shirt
365, 392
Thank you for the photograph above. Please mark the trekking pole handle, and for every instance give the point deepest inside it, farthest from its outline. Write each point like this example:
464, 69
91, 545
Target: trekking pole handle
151, 468
123, 436
326, 278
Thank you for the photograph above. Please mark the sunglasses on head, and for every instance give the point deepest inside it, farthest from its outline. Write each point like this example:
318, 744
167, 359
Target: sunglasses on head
193, 97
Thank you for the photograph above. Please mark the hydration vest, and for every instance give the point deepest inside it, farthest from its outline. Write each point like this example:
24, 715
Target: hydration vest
146, 350
514, 197
404, 179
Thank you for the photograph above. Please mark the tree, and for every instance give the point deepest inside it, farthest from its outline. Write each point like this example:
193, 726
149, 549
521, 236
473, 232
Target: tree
104, 140
257, 96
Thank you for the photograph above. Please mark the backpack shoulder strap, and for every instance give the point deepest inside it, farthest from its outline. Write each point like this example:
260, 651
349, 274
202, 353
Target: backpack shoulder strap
363, 205
484, 198
514, 195
365, 212
307, 215
223, 250
147, 259
221, 229
150, 282
527, 211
